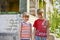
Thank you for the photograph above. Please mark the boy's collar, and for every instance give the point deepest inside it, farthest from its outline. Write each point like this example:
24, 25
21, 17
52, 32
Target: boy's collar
26, 21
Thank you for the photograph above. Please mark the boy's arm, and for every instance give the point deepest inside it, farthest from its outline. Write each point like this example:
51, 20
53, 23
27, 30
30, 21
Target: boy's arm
34, 25
31, 31
34, 33
48, 23
20, 30
47, 29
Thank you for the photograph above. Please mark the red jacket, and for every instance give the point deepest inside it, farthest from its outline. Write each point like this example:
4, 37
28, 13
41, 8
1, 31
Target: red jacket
40, 27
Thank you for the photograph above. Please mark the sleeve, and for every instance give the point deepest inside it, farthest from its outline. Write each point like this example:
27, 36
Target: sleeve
34, 25
30, 25
21, 24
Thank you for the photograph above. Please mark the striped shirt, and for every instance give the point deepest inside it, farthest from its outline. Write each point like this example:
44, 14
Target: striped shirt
25, 30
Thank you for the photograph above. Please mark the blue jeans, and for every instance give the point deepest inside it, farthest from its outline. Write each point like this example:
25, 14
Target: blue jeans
25, 39
40, 38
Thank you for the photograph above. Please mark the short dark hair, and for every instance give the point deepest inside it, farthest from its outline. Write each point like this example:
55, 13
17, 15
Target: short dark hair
39, 12
25, 14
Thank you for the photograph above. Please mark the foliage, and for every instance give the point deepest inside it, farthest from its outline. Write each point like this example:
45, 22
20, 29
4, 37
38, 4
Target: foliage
41, 4
55, 22
58, 35
9, 12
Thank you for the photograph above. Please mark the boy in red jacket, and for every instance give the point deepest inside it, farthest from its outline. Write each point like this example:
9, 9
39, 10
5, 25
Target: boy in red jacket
40, 26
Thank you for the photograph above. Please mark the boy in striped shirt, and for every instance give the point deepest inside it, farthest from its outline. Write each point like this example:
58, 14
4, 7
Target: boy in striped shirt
26, 28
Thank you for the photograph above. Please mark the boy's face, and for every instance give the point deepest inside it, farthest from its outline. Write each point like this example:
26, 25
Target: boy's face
40, 15
25, 18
